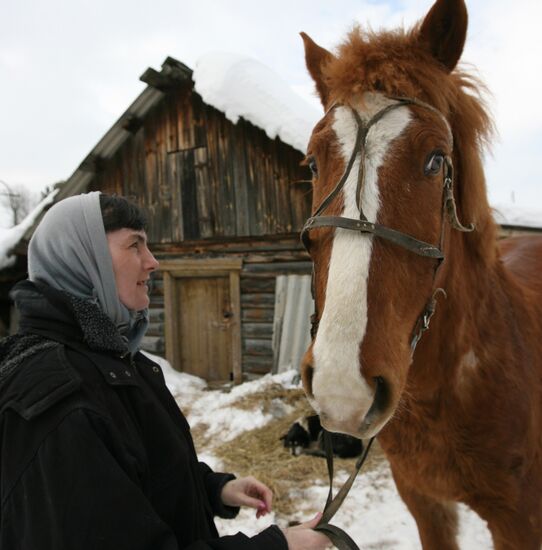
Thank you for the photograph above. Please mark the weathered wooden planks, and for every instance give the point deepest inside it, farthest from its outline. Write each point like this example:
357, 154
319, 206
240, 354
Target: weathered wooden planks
201, 177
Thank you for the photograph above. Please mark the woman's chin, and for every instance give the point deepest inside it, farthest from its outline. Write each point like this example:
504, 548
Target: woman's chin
136, 304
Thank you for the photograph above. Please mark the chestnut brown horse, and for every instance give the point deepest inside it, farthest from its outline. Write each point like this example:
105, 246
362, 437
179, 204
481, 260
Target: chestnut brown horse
397, 181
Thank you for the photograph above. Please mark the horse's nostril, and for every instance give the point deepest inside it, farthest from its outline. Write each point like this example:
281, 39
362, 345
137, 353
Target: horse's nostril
306, 375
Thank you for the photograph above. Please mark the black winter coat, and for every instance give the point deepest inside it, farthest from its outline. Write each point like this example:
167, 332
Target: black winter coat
95, 453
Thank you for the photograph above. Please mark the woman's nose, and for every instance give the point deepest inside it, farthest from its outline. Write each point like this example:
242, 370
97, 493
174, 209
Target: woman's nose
152, 263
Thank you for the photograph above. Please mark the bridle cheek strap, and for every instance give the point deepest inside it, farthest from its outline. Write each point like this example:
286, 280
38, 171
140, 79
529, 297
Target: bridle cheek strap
425, 318
450, 207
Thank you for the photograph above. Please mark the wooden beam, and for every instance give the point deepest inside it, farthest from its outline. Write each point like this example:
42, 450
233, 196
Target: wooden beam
170, 327
235, 289
279, 267
173, 72
92, 163
177, 70
188, 267
157, 80
131, 123
235, 245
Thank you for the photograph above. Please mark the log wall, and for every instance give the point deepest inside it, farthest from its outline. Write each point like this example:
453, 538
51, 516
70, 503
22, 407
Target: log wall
262, 262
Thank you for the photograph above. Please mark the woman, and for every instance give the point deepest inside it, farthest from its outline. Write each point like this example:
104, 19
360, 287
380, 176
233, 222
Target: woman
95, 453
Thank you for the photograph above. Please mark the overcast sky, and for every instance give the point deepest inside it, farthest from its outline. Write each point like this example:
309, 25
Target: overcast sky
70, 68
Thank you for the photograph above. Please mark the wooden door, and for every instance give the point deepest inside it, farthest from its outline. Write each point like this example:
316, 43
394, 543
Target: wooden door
203, 316
205, 326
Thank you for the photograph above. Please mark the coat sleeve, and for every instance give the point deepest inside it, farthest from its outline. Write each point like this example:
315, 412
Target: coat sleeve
214, 482
74, 495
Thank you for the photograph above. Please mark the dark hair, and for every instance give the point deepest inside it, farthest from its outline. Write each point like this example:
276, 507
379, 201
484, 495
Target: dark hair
118, 213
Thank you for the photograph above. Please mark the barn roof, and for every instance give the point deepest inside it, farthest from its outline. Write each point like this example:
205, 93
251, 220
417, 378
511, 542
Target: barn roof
172, 72
224, 82
237, 86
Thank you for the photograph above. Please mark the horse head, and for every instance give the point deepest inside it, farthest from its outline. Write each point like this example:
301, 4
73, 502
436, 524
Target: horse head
399, 117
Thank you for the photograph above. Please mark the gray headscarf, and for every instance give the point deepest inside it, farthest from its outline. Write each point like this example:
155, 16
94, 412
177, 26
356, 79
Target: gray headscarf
69, 251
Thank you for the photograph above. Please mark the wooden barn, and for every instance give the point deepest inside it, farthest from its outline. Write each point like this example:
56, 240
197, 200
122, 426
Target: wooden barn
225, 204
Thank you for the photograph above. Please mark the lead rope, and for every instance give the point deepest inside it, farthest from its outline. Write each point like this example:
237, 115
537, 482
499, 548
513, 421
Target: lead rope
338, 536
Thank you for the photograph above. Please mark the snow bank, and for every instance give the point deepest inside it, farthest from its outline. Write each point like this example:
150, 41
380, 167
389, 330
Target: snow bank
9, 238
217, 410
243, 87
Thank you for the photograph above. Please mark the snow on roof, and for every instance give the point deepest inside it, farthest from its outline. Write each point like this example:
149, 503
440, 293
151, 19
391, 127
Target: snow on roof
9, 238
509, 214
243, 87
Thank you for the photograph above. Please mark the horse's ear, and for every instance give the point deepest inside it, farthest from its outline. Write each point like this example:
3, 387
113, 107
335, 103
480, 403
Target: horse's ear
315, 58
444, 30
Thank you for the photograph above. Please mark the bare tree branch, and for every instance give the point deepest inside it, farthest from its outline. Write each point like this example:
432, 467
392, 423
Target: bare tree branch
19, 199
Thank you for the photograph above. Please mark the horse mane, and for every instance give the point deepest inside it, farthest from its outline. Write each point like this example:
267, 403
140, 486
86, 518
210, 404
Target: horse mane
397, 63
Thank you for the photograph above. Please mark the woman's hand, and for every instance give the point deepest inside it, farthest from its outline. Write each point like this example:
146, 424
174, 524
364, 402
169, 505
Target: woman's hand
302, 537
248, 491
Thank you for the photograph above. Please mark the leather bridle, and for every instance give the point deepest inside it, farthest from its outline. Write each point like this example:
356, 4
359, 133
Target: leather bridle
363, 225
340, 538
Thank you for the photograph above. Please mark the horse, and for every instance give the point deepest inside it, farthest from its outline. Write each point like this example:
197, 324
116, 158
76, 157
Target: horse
427, 331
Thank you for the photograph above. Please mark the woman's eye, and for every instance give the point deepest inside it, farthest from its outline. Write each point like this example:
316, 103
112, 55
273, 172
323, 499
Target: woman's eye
433, 164
313, 167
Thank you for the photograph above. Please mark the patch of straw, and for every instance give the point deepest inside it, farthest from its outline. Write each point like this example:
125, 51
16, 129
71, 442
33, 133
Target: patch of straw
261, 453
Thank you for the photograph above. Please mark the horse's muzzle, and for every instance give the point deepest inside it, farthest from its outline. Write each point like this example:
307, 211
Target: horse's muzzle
358, 424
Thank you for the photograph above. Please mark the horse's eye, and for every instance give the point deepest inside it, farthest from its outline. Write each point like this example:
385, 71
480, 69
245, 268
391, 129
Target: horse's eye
313, 166
433, 164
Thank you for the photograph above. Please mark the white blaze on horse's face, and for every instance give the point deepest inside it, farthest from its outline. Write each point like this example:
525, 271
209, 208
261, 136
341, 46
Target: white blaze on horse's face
341, 394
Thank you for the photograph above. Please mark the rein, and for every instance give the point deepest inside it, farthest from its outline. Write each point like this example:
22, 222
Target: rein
449, 211
336, 535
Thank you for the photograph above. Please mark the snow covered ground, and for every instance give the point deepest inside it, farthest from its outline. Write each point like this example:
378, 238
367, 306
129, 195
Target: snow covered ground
373, 514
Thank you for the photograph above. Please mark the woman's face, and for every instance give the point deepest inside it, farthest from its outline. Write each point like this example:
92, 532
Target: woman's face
132, 265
